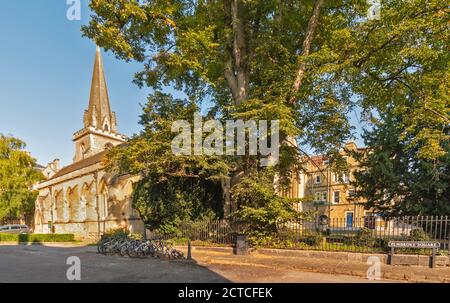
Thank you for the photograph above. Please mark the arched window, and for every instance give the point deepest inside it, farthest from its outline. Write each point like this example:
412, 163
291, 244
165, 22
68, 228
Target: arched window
103, 200
73, 199
59, 206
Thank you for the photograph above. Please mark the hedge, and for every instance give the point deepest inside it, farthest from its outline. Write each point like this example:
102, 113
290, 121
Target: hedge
37, 237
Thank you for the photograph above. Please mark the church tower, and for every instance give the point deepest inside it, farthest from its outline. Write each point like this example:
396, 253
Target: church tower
100, 125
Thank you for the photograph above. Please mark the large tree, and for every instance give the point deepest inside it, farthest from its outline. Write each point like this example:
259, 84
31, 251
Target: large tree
393, 177
174, 188
306, 63
248, 59
18, 173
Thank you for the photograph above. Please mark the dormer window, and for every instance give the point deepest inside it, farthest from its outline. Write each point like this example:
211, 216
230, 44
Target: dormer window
106, 127
318, 179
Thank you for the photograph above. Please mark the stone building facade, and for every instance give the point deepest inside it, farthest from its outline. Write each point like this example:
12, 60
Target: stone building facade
329, 193
83, 198
333, 189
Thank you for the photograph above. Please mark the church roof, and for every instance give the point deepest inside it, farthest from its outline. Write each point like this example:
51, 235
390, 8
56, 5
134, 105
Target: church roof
97, 158
39, 167
99, 109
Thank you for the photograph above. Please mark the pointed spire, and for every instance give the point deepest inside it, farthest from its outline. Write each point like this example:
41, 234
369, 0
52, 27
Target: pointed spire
99, 113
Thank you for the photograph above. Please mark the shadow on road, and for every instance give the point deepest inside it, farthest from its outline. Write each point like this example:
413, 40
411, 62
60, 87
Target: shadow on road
46, 264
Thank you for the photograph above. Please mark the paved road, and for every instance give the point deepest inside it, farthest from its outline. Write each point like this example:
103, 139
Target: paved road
36, 263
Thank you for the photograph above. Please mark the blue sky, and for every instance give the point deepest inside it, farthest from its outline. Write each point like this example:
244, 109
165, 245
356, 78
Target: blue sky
45, 74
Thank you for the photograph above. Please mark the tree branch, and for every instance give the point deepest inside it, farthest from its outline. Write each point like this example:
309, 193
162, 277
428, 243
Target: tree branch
231, 78
306, 48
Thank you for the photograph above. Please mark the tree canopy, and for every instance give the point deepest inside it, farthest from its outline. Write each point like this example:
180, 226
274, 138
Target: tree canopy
18, 173
306, 63
395, 180
271, 54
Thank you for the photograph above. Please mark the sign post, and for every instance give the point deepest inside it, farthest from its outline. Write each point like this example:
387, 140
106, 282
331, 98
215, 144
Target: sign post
415, 244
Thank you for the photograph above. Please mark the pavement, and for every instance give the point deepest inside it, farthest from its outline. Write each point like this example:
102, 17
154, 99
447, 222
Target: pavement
339, 266
42, 264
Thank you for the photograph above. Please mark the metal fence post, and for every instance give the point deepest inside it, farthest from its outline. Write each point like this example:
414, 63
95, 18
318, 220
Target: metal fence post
448, 246
446, 234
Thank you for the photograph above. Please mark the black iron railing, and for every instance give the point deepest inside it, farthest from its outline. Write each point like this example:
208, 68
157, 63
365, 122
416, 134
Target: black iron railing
366, 234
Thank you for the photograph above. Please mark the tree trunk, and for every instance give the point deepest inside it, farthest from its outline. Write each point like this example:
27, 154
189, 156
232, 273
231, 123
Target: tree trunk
237, 67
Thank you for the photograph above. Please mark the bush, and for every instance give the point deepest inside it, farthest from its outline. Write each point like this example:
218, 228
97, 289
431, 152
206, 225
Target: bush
274, 242
382, 244
364, 238
118, 233
418, 235
312, 240
260, 205
37, 237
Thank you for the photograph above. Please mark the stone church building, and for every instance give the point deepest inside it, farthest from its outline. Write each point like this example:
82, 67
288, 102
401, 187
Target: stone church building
82, 198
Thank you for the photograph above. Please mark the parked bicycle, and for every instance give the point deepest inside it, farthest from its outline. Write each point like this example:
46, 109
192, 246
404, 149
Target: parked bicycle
136, 248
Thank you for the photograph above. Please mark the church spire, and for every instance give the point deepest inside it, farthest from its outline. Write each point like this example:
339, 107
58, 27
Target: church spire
99, 132
99, 115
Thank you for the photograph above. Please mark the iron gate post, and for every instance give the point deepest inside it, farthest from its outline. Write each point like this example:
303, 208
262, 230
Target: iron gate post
433, 258
391, 256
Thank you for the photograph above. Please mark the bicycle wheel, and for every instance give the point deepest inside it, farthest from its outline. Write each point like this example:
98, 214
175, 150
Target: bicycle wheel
105, 248
132, 250
100, 247
117, 246
151, 250
141, 251
123, 249
177, 254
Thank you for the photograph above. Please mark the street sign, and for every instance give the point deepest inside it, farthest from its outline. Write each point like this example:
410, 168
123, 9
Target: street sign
413, 244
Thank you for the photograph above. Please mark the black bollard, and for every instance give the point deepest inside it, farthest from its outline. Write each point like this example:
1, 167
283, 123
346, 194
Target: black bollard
189, 255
